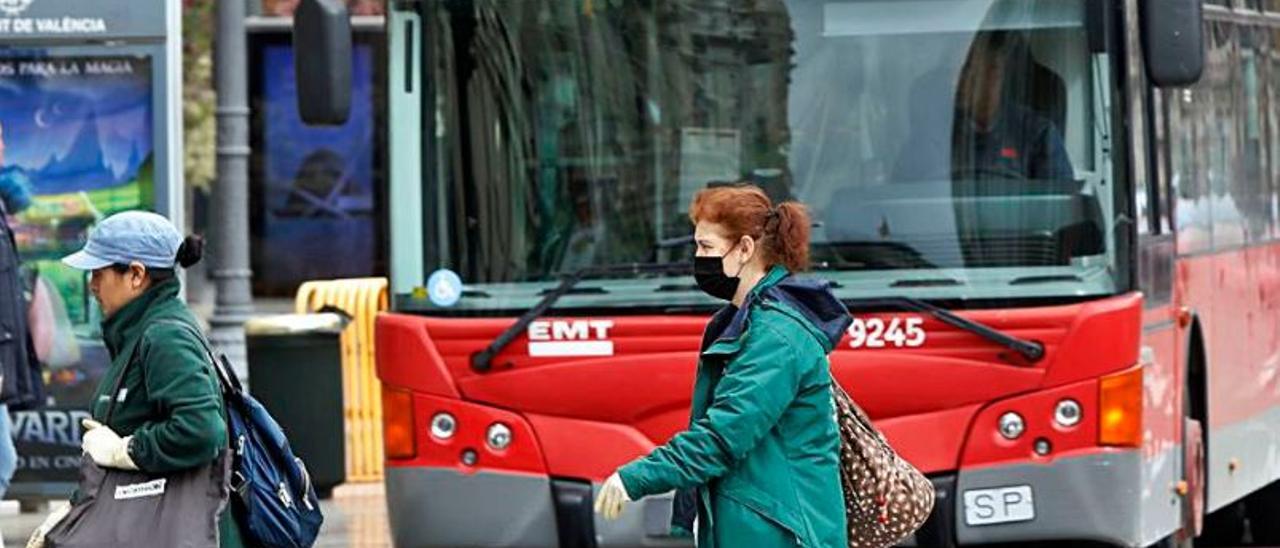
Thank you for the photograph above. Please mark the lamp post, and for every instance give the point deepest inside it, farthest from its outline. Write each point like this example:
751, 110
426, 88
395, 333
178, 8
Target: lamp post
229, 243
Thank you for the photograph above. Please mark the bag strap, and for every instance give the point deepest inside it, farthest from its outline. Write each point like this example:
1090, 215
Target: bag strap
114, 395
844, 403
858, 413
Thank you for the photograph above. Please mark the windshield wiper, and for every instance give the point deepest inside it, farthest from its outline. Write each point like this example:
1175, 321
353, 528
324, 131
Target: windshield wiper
1050, 278
482, 361
927, 282
1031, 350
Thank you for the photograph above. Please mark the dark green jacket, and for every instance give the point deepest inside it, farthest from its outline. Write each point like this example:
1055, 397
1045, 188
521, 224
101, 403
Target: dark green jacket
170, 401
762, 445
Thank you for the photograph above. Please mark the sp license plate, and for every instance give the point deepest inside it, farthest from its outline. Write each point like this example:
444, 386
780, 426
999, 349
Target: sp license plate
1000, 505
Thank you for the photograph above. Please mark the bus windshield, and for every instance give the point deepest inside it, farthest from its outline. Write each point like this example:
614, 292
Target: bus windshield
947, 149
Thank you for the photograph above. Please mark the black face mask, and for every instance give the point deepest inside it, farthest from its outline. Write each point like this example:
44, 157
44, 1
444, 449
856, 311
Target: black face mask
709, 273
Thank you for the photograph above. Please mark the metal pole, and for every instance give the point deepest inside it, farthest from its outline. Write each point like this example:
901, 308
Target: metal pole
229, 243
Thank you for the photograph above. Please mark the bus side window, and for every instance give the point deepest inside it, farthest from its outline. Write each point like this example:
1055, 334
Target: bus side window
1248, 190
1271, 100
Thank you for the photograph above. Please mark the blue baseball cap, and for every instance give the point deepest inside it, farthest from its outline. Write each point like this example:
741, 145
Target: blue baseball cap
126, 237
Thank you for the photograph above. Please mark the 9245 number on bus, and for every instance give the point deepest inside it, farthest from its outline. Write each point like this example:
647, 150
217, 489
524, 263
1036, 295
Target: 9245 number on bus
890, 333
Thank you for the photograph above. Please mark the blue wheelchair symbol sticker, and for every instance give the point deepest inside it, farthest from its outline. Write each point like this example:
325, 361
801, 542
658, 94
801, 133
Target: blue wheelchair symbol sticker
444, 288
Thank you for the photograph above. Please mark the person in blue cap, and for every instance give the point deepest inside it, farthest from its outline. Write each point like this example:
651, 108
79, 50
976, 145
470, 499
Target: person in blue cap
169, 410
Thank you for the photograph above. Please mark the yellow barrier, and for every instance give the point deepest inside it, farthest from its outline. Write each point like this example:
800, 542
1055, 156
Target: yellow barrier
363, 298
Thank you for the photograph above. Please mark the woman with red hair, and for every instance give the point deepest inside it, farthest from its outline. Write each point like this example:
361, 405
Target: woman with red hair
761, 453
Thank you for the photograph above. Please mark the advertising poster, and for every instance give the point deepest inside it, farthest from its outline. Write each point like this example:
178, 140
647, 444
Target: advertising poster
315, 188
77, 133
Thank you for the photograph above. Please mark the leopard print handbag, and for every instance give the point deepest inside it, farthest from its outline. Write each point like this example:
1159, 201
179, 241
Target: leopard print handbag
885, 498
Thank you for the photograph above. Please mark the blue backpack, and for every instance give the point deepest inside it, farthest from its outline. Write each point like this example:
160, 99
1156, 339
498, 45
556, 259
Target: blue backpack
272, 499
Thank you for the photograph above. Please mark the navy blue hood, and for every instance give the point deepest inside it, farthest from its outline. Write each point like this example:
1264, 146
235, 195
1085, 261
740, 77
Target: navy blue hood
811, 297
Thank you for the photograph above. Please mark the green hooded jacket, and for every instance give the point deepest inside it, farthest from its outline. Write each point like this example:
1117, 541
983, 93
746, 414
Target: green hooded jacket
170, 401
762, 447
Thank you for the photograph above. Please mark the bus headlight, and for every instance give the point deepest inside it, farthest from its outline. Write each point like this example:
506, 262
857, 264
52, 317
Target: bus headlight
1012, 426
443, 426
1068, 413
499, 436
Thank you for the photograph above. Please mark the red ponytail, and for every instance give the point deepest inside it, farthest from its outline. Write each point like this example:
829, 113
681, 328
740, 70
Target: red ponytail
790, 240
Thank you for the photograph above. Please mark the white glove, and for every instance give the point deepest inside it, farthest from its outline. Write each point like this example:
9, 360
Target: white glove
106, 447
611, 498
37, 537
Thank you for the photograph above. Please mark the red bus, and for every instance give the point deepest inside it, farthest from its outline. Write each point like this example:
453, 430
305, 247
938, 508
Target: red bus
1053, 220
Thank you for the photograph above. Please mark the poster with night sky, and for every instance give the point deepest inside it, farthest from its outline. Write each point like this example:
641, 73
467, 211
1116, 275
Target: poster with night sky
78, 134
74, 125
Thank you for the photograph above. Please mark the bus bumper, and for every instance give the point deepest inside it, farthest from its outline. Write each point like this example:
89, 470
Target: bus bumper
1087, 498
435, 507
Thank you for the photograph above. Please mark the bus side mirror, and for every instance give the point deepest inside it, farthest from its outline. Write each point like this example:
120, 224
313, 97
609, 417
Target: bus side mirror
322, 59
1173, 41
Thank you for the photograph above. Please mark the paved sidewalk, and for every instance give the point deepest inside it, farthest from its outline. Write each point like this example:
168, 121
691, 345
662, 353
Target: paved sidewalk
355, 517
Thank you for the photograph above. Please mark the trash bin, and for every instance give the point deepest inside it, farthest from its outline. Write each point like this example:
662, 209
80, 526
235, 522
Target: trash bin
295, 371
